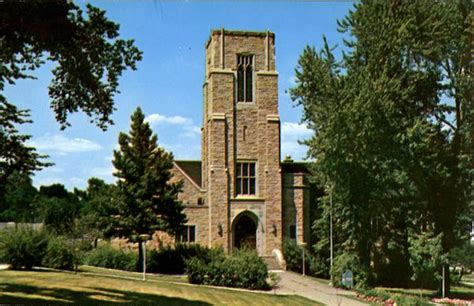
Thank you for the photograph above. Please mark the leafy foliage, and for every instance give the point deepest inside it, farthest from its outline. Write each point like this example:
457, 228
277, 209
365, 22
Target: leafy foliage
172, 259
90, 58
385, 140
98, 206
15, 202
57, 208
241, 269
23, 247
107, 257
15, 155
59, 254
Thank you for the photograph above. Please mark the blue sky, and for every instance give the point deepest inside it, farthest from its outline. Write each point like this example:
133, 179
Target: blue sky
168, 82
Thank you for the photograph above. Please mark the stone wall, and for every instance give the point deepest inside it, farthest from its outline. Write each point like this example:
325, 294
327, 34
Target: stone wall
296, 204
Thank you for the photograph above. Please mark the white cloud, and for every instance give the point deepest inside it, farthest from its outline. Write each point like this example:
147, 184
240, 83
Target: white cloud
103, 171
291, 133
162, 119
292, 129
63, 145
46, 181
294, 149
191, 131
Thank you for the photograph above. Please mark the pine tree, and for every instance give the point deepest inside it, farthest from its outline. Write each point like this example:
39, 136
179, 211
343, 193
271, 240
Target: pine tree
149, 199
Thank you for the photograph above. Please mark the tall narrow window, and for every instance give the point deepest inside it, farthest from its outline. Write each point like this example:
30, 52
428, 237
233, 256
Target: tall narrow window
245, 179
245, 78
292, 231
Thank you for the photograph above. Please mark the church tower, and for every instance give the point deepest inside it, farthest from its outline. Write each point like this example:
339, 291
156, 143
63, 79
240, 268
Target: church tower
241, 142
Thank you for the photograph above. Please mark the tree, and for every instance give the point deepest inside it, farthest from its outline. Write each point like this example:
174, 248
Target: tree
99, 203
16, 201
149, 198
57, 208
89, 56
15, 155
393, 124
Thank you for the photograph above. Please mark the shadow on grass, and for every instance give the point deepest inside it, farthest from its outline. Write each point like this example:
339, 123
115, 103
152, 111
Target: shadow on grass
27, 294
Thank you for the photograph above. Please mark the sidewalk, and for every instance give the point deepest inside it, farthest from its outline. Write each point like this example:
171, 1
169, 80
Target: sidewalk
293, 283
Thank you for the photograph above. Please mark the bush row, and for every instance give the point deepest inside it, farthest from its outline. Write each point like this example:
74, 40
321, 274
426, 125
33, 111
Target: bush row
384, 297
24, 248
172, 260
242, 269
107, 257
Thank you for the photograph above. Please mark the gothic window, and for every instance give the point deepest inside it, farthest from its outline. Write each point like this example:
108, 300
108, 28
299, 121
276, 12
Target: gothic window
245, 179
187, 234
245, 78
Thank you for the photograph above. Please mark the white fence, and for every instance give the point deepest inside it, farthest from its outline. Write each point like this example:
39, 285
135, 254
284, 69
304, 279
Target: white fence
35, 226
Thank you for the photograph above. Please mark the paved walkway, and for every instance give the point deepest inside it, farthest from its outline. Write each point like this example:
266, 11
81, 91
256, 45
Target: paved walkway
293, 283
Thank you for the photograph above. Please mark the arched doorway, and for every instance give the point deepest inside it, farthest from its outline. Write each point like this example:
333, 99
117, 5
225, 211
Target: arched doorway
245, 232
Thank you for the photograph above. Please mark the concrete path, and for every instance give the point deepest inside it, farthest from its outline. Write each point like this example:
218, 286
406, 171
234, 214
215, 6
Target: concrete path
293, 283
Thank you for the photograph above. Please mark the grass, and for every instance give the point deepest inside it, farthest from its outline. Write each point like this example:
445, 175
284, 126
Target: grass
132, 275
99, 286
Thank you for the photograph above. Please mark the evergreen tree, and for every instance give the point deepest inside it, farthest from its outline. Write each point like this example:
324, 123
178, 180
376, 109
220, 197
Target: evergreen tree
393, 128
149, 198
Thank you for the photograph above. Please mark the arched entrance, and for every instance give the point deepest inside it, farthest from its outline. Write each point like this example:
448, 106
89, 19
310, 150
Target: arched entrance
245, 231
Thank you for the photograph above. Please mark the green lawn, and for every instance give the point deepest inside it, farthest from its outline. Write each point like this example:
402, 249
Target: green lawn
99, 286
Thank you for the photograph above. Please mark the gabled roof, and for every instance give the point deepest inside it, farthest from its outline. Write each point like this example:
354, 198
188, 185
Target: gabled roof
191, 168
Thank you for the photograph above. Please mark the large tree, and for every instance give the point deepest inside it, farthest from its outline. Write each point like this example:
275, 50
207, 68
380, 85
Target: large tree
56, 208
98, 206
392, 128
16, 199
89, 60
149, 199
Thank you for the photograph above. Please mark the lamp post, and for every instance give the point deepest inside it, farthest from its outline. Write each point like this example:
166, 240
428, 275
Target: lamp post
331, 246
144, 238
303, 246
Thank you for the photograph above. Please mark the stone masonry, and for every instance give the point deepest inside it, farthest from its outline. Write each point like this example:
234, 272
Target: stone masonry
242, 132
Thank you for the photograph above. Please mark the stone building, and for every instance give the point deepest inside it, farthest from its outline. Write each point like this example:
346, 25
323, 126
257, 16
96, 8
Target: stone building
241, 193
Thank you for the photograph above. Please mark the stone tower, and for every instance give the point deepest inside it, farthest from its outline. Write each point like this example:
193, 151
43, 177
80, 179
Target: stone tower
241, 141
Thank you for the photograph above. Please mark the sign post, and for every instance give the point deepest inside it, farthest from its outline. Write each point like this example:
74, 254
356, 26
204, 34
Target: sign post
347, 279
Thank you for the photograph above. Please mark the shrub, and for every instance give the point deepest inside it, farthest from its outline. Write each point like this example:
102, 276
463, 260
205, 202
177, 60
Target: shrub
314, 265
384, 296
426, 259
22, 248
293, 255
350, 261
59, 254
172, 260
242, 269
108, 257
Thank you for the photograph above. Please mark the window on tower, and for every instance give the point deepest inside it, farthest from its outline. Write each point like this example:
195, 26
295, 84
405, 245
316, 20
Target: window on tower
245, 179
245, 78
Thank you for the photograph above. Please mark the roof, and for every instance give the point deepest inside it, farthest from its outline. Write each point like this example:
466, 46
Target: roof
192, 168
295, 167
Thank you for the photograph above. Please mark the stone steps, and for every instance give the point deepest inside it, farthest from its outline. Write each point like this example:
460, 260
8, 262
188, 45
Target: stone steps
271, 262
